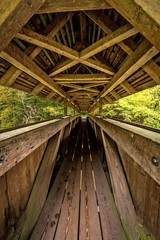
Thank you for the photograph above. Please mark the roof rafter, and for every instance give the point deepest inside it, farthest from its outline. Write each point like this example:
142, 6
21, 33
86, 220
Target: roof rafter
108, 26
45, 42
140, 19
19, 59
15, 11
11, 75
115, 37
51, 6
141, 56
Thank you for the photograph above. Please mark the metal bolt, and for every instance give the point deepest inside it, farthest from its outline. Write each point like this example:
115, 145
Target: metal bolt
155, 161
2, 158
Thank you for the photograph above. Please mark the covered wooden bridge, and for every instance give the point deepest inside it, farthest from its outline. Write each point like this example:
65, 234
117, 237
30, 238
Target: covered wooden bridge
73, 178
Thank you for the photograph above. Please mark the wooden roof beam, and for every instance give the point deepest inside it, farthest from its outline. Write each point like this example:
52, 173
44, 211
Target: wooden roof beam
83, 77
141, 56
151, 8
72, 99
65, 64
83, 88
90, 85
14, 15
128, 87
96, 82
83, 26
50, 95
38, 88
51, 6
140, 19
47, 43
115, 37
62, 65
19, 59
61, 19
115, 95
108, 26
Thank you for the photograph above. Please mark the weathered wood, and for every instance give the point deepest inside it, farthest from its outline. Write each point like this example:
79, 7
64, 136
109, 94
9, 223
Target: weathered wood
45, 42
136, 177
48, 220
117, 36
110, 221
78, 78
153, 10
108, 26
75, 89
142, 55
134, 141
65, 107
38, 88
65, 6
63, 65
17, 144
19, 59
153, 70
100, 107
20, 12
41, 186
120, 188
146, 200
139, 19
68, 222
88, 209
98, 65
10, 76
128, 87
115, 94
50, 95
4, 211
83, 25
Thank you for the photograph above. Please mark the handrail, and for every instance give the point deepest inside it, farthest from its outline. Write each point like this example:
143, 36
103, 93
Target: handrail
15, 145
142, 145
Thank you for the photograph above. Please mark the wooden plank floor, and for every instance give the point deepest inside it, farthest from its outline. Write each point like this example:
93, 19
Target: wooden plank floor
80, 205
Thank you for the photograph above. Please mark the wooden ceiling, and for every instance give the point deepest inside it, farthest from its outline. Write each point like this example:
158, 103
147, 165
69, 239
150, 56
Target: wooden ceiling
81, 52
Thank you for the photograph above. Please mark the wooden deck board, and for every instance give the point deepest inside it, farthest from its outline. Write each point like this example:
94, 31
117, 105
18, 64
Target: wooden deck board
82, 209
89, 218
110, 222
50, 213
68, 223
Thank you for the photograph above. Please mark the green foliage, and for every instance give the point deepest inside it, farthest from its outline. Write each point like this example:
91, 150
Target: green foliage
142, 107
18, 108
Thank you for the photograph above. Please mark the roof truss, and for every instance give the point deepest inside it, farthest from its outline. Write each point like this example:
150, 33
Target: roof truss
67, 52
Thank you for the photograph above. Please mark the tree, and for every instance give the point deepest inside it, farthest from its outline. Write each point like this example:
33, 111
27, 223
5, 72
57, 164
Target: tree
142, 107
18, 108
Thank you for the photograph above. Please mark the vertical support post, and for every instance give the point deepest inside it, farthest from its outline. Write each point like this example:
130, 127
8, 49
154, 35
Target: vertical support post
41, 185
100, 107
65, 107
120, 188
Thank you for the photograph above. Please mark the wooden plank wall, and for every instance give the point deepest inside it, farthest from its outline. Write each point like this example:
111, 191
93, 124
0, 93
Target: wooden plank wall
20, 183
16, 186
145, 191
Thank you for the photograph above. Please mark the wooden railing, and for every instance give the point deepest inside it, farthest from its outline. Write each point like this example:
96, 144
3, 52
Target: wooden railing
133, 159
27, 159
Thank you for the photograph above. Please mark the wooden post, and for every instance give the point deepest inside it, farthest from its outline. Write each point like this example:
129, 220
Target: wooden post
65, 107
120, 188
100, 107
41, 186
